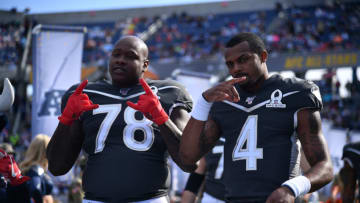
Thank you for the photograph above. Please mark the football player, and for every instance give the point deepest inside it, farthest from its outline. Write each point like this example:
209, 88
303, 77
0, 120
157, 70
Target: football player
127, 143
350, 173
263, 119
209, 173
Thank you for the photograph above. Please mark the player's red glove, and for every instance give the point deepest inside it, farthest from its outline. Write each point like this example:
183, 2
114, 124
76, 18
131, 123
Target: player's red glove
150, 105
77, 103
10, 170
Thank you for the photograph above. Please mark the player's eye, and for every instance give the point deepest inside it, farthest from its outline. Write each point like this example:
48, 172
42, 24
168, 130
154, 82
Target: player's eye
230, 64
115, 54
131, 56
243, 59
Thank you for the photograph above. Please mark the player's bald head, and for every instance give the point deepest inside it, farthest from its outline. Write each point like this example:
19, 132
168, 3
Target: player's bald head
135, 42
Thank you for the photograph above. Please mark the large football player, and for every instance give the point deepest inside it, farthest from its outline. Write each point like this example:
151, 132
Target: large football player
350, 173
209, 176
127, 144
263, 120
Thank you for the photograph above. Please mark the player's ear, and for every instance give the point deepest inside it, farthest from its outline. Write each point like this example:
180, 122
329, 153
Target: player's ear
145, 65
263, 56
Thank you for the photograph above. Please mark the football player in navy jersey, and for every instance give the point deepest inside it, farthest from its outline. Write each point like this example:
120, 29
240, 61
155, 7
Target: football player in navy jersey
127, 149
350, 173
209, 176
264, 120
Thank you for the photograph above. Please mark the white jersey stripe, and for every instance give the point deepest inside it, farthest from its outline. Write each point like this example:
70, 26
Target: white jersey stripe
123, 98
250, 109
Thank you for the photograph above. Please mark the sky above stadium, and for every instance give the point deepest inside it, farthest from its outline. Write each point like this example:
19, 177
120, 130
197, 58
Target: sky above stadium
48, 6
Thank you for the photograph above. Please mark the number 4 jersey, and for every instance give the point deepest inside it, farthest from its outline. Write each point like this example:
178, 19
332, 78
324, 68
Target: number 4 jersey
262, 149
127, 157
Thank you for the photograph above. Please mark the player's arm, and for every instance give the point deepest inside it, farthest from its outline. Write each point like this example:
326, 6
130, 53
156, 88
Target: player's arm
65, 144
194, 183
64, 147
348, 176
171, 132
170, 129
202, 132
315, 148
197, 139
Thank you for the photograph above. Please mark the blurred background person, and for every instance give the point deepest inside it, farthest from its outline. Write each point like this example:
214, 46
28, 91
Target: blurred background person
39, 187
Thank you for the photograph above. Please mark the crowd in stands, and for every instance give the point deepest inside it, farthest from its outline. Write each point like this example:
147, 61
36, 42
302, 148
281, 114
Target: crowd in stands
343, 112
187, 38
11, 44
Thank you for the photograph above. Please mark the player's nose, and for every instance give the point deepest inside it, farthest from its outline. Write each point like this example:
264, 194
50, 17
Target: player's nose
120, 59
237, 69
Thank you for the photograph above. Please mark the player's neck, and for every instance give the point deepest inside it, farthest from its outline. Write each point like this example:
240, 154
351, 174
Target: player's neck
257, 85
122, 85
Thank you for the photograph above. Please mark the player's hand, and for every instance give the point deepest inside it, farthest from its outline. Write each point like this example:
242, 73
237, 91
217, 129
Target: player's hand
224, 91
282, 194
10, 170
150, 105
77, 103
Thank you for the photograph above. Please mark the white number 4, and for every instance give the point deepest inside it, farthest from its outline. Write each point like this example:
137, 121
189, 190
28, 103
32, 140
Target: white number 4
250, 153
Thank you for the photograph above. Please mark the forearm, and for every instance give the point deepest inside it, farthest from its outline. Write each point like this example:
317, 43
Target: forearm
348, 176
320, 175
64, 148
172, 136
321, 171
190, 152
315, 148
348, 195
188, 197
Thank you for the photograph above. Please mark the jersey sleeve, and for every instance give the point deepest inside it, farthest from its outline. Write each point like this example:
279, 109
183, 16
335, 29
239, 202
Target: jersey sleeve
175, 96
308, 96
351, 153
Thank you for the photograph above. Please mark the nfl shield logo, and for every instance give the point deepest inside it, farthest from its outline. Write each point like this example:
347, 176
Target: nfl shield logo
124, 91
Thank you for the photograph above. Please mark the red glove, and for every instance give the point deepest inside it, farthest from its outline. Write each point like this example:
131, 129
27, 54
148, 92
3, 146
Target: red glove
10, 170
149, 105
77, 103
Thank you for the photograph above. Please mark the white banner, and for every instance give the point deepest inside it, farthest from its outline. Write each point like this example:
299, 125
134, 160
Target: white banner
57, 54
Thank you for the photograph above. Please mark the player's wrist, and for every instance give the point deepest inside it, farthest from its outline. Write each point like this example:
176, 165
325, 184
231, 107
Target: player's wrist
65, 120
299, 185
201, 109
161, 118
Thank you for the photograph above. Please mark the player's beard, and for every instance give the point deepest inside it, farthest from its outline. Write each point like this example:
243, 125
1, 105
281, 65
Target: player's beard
250, 85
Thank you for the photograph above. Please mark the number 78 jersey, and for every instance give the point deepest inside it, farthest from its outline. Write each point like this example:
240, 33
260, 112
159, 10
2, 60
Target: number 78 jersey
262, 149
127, 157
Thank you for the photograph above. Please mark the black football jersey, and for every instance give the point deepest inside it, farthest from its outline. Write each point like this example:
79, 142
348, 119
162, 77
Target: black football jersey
127, 157
214, 171
262, 149
351, 154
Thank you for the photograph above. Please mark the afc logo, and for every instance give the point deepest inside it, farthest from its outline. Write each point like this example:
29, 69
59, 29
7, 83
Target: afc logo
51, 103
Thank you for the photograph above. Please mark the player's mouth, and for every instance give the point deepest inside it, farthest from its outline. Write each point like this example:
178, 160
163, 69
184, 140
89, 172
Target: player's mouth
119, 70
242, 75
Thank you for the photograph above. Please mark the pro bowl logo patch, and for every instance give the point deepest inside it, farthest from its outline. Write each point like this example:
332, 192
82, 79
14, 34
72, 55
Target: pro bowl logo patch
275, 100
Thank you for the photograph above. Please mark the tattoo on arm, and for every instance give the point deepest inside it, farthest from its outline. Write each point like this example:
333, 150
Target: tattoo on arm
312, 144
209, 136
315, 148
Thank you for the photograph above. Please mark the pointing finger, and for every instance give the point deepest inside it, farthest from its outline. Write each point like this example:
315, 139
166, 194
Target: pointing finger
91, 107
146, 86
80, 88
235, 94
236, 80
133, 105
